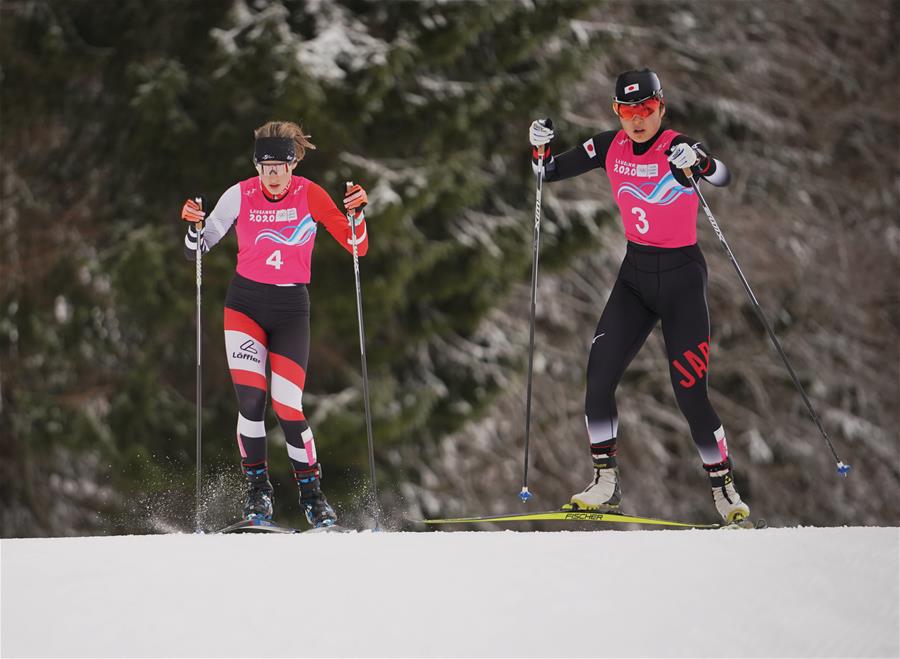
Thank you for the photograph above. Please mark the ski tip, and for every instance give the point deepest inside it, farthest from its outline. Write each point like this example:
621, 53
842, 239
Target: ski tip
525, 495
843, 469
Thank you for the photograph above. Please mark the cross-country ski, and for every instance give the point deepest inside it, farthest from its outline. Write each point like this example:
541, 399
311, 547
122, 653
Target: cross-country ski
589, 516
259, 525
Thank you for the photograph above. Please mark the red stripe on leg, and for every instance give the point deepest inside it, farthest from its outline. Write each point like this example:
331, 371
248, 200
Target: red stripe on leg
239, 322
287, 413
248, 378
288, 369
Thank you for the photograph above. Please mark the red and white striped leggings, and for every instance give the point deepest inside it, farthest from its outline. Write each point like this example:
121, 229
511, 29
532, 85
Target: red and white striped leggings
265, 323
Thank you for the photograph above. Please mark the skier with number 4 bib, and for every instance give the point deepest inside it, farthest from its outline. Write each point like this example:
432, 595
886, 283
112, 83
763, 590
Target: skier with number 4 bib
663, 278
276, 216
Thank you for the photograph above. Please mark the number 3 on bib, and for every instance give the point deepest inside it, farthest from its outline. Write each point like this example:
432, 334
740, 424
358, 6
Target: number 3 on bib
643, 226
275, 259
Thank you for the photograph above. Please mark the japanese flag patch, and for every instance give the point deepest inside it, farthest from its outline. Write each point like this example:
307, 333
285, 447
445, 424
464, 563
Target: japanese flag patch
590, 148
632, 88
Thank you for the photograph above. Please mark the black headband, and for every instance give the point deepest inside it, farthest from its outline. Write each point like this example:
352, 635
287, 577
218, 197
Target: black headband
274, 148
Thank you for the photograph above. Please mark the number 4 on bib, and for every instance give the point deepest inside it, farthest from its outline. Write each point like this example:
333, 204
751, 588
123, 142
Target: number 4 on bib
275, 259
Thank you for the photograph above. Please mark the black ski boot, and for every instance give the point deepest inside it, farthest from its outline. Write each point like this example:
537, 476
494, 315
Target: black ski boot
258, 499
318, 511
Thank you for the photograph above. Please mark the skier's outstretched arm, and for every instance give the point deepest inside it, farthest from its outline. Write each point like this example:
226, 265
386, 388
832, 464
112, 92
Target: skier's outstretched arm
326, 212
688, 153
215, 224
574, 162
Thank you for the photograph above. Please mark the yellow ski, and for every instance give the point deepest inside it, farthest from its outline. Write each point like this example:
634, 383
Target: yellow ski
571, 516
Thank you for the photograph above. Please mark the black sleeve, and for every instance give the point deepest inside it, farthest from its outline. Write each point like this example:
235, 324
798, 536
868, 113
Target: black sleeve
578, 160
708, 168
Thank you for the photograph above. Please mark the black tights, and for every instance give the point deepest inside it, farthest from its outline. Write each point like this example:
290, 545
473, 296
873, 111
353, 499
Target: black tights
655, 284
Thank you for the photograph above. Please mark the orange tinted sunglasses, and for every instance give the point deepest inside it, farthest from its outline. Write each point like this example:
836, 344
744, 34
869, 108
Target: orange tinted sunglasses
643, 109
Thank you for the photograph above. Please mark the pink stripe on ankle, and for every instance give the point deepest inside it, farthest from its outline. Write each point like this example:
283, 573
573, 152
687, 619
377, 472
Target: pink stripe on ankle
310, 445
722, 444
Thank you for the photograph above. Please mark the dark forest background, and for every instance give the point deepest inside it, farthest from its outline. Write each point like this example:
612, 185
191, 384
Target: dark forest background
112, 113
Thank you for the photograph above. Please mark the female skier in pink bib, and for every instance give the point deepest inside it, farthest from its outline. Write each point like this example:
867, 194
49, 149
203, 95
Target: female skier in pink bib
663, 278
276, 216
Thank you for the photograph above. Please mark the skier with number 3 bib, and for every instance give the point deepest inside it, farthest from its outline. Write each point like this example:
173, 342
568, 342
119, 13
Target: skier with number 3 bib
276, 216
663, 278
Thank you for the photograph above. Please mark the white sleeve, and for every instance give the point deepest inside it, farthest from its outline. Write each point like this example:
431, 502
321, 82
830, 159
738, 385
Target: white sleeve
721, 176
223, 215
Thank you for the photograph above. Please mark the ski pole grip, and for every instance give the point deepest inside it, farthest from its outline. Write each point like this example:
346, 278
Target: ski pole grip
684, 170
199, 202
348, 185
548, 123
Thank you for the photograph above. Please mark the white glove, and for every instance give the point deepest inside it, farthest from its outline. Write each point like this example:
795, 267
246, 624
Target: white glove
684, 156
541, 132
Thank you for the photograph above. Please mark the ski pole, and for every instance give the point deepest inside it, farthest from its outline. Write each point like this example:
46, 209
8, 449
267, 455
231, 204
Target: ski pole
525, 494
365, 372
841, 467
199, 264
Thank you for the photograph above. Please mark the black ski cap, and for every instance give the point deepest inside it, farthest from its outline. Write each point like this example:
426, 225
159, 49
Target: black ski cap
637, 86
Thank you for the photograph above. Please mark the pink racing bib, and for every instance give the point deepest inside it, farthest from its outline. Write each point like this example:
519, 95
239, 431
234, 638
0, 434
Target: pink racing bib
275, 239
656, 209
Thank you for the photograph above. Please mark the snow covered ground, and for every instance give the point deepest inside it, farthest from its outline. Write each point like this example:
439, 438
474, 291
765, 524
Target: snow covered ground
776, 593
